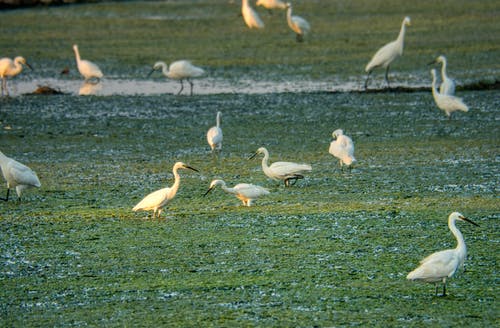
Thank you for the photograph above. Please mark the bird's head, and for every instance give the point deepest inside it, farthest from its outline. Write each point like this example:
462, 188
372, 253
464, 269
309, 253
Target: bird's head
181, 165
157, 66
337, 133
288, 5
458, 216
214, 184
407, 21
261, 150
22, 61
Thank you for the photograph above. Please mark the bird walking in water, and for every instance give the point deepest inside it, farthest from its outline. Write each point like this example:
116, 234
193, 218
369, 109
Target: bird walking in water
245, 192
445, 102
440, 266
156, 200
285, 171
87, 69
11, 68
388, 53
179, 70
214, 135
250, 16
17, 175
342, 148
447, 86
297, 24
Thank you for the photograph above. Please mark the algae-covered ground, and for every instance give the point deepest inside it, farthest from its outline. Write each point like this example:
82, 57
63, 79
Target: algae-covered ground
333, 250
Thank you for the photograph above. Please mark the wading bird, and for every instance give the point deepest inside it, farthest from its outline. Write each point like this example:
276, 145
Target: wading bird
285, 171
440, 266
271, 4
87, 69
388, 53
447, 86
250, 16
342, 147
156, 200
17, 175
447, 103
11, 68
245, 192
214, 135
297, 24
179, 70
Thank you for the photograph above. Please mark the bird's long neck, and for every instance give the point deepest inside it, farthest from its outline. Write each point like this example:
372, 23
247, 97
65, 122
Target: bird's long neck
218, 120
443, 69
434, 90
77, 54
289, 15
265, 166
229, 190
164, 69
177, 181
401, 37
17, 67
461, 248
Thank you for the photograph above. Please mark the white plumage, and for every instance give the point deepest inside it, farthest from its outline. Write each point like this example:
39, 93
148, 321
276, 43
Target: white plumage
447, 86
440, 266
11, 68
388, 53
87, 69
271, 4
245, 192
285, 171
297, 24
17, 175
214, 135
342, 148
156, 200
445, 102
250, 16
179, 70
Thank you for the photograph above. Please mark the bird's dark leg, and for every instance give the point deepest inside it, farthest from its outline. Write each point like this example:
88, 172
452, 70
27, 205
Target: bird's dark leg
191, 84
6, 197
444, 288
367, 78
287, 183
387, 76
182, 88
299, 38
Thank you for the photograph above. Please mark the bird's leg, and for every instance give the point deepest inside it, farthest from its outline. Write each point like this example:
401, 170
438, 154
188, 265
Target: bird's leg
437, 287
367, 78
444, 288
191, 84
182, 88
4, 87
6, 197
299, 38
287, 184
387, 76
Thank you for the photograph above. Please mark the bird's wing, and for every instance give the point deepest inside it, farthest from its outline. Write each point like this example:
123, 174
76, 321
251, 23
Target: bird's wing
443, 263
453, 103
383, 56
154, 199
22, 174
250, 190
214, 135
287, 168
184, 69
301, 23
88, 65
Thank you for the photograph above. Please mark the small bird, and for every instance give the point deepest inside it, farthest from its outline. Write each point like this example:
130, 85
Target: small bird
11, 68
179, 70
388, 53
156, 200
17, 175
447, 86
445, 102
87, 69
342, 147
214, 135
271, 4
250, 16
245, 192
285, 171
298, 24
440, 266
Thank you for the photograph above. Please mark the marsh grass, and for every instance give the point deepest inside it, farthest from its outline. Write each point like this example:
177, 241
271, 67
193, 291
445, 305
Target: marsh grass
333, 250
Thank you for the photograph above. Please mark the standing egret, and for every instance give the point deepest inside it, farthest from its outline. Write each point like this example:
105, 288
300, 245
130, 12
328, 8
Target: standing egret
298, 24
388, 53
17, 175
439, 266
285, 171
214, 135
179, 70
447, 103
245, 192
87, 69
447, 86
156, 200
342, 147
271, 4
10, 68
250, 16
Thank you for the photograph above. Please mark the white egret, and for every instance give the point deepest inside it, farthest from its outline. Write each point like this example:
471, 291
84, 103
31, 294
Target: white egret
285, 171
156, 200
447, 103
245, 192
17, 175
388, 53
447, 86
11, 68
342, 147
440, 266
250, 16
271, 4
298, 24
87, 69
179, 70
214, 135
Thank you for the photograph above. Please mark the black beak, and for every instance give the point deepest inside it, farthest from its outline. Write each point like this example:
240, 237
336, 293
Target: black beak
209, 190
149, 74
468, 220
31, 68
253, 155
191, 168
431, 63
